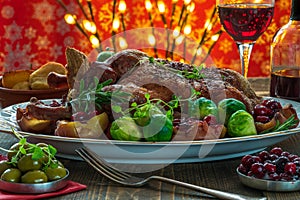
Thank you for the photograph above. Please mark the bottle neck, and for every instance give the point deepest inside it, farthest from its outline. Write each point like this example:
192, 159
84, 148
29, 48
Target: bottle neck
295, 10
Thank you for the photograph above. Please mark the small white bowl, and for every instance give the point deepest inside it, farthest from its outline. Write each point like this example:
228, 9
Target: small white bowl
269, 185
34, 188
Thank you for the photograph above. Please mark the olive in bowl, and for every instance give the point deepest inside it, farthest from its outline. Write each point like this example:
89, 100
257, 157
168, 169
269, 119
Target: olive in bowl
32, 168
274, 170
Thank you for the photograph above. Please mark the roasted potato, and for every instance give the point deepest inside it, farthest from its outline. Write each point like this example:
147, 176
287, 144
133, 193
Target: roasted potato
38, 78
13, 79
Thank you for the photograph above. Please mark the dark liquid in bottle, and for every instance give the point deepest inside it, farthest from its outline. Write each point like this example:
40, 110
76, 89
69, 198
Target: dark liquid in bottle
286, 84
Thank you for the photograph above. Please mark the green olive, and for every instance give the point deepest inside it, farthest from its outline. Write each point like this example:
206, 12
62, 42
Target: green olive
11, 175
34, 176
4, 166
14, 149
26, 163
55, 173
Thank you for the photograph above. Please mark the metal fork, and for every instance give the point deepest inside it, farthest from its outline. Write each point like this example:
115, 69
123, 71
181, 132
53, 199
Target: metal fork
129, 180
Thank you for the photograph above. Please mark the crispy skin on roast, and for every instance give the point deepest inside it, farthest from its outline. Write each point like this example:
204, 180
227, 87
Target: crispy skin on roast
125, 60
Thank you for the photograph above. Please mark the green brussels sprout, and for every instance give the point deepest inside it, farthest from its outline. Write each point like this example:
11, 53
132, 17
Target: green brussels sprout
125, 128
143, 114
202, 107
159, 129
104, 55
227, 107
241, 123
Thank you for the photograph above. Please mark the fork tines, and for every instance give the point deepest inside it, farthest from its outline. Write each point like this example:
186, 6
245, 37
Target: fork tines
101, 165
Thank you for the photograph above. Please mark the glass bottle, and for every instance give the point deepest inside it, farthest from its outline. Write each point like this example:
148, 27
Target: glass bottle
285, 58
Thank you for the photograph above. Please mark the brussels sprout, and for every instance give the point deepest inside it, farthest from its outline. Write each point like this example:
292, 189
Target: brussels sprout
202, 107
241, 123
159, 129
125, 128
227, 107
143, 114
104, 55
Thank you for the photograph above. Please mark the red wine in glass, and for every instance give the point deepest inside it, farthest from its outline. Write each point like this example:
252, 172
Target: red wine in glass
245, 22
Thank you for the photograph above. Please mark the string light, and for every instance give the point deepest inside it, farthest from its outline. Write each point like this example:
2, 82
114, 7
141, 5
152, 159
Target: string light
151, 40
176, 32
187, 29
89, 26
116, 24
122, 6
123, 43
70, 19
94, 40
190, 8
161, 7
148, 5
186, 2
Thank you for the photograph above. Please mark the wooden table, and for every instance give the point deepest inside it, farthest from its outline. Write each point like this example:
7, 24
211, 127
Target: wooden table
218, 175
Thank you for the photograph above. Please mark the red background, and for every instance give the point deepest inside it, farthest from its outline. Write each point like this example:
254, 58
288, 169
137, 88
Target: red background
34, 32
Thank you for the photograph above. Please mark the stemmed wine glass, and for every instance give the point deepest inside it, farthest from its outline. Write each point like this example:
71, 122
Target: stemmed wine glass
245, 21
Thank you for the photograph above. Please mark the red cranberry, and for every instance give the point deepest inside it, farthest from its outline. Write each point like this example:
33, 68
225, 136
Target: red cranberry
273, 104
274, 176
242, 169
247, 161
269, 167
262, 119
263, 155
280, 163
273, 157
261, 110
285, 177
293, 157
258, 170
285, 153
290, 168
276, 150
93, 113
210, 119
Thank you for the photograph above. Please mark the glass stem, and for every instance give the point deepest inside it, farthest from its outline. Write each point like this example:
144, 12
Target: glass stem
245, 52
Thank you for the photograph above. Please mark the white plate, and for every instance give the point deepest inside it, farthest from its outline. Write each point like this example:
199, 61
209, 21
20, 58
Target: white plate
126, 152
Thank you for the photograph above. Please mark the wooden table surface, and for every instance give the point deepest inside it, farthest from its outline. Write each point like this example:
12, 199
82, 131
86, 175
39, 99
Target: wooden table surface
217, 174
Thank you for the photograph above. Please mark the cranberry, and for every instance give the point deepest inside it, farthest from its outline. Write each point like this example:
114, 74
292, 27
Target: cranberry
242, 169
269, 167
264, 155
247, 161
293, 157
285, 153
54, 103
274, 176
93, 113
290, 168
261, 110
258, 170
280, 163
262, 119
276, 150
210, 119
285, 177
273, 157
273, 104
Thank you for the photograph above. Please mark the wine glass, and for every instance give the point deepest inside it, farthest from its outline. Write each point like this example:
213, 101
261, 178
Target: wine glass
245, 21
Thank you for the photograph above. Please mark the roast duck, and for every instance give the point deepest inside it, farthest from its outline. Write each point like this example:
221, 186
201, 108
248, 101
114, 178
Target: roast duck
134, 74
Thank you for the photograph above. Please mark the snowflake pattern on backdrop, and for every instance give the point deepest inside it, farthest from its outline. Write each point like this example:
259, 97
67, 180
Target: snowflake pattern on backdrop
34, 32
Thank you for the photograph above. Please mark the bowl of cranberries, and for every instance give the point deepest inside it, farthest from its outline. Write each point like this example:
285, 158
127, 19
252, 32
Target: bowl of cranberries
273, 170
